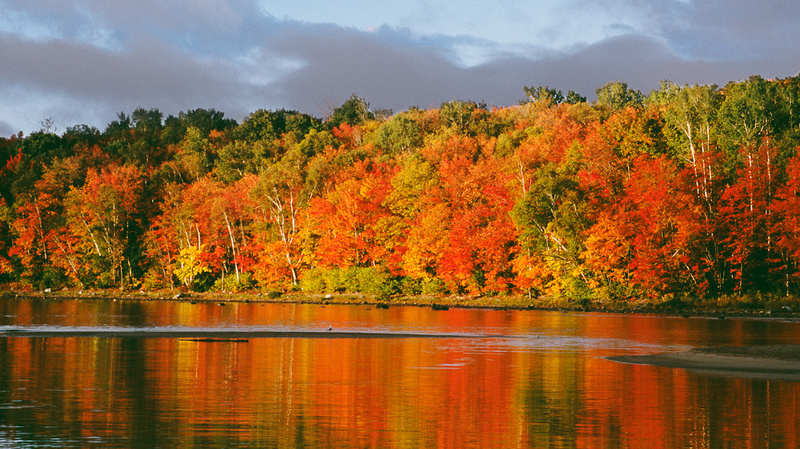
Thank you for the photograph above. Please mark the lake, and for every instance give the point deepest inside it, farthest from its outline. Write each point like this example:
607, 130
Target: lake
148, 374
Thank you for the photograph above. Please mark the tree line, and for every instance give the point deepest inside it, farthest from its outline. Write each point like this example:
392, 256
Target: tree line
690, 190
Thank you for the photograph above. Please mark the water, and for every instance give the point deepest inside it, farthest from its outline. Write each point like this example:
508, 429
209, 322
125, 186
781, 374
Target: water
170, 374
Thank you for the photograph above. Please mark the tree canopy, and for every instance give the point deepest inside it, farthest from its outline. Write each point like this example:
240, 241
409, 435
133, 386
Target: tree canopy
690, 190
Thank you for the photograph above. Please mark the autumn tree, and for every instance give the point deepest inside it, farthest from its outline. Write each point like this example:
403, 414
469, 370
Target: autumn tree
786, 210
280, 197
746, 219
690, 113
690, 193
347, 215
482, 238
43, 242
6, 267
550, 219
645, 244
105, 217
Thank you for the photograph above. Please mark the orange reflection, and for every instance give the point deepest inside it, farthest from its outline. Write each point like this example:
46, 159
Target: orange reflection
405, 392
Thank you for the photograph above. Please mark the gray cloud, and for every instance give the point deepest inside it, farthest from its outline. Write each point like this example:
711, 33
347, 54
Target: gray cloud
398, 76
85, 61
6, 130
729, 30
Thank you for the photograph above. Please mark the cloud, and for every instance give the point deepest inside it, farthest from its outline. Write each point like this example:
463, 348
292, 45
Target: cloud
725, 29
391, 73
6, 130
84, 61
149, 73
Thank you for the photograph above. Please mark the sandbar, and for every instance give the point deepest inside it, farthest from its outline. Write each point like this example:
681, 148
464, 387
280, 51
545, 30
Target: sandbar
756, 361
207, 334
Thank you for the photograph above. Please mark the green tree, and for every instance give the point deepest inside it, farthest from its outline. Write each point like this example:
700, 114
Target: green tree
118, 129
749, 113
81, 135
39, 150
241, 157
354, 111
690, 113
206, 120
136, 139
551, 221
789, 98
616, 95
147, 121
542, 93
270, 125
463, 116
196, 153
550, 95
574, 98
398, 135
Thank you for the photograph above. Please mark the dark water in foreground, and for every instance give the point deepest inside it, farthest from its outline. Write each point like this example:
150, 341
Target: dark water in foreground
168, 374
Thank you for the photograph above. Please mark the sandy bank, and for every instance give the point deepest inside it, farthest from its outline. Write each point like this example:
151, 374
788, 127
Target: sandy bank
209, 334
759, 361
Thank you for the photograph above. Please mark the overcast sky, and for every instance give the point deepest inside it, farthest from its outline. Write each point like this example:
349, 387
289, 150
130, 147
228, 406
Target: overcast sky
83, 61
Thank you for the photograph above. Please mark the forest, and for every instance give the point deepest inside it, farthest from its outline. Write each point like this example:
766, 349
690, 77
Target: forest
688, 191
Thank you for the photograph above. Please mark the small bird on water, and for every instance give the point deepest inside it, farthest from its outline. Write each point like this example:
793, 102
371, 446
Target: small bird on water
330, 328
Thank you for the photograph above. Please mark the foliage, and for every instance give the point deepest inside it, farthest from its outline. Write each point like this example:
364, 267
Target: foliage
551, 96
616, 95
271, 125
191, 264
354, 111
695, 191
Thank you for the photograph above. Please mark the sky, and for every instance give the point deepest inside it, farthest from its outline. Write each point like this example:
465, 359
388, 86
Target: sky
73, 62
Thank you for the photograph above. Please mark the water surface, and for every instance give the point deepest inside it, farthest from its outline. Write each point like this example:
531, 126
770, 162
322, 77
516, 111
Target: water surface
100, 373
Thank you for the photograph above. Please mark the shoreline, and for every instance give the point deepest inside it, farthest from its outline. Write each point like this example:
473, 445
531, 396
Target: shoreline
668, 308
755, 361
